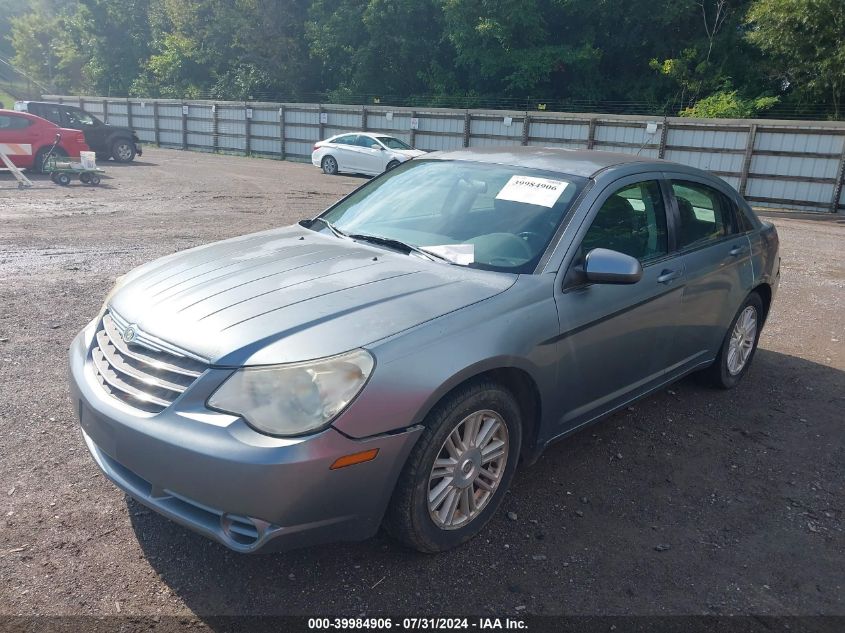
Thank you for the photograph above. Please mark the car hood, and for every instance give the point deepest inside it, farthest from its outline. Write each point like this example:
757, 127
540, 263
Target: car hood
292, 294
408, 153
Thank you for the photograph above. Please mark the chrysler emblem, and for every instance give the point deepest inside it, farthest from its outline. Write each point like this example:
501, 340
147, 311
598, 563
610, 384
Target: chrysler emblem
129, 333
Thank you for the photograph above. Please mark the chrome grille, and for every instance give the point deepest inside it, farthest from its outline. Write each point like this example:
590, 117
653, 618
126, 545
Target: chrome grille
144, 373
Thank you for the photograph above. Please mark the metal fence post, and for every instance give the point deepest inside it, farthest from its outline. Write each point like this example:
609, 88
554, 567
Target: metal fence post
81, 103
129, 113
591, 134
215, 128
184, 125
467, 123
749, 154
840, 180
105, 110
282, 131
156, 134
526, 128
322, 127
364, 118
664, 133
413, 138
247, 130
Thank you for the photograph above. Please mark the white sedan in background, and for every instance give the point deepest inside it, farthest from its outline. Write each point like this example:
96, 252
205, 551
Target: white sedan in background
361, 153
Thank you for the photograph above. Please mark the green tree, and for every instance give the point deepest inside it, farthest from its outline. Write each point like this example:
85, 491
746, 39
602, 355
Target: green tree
8, 9
45, 48
380, 47
729, 105
805, 42
228, 49
115, 35
516, 48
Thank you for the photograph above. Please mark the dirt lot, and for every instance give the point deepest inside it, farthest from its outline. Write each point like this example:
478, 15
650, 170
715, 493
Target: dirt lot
743, 488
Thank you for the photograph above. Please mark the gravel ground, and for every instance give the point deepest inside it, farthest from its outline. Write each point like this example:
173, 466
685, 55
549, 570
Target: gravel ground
690, 502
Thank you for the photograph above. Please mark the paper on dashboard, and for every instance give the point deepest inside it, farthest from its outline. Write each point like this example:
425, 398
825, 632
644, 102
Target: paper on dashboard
459, 253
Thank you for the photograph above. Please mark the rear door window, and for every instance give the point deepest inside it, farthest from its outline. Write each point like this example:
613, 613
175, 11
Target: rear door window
365, 141
704, 214
10, 122
51, 113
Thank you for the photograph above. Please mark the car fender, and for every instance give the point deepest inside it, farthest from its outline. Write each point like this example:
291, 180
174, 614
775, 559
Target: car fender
415, 369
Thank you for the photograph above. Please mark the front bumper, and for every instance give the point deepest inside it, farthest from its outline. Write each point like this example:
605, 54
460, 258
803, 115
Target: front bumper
215, 475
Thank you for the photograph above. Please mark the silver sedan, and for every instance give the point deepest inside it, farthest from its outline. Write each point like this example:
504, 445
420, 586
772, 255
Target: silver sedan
394, 360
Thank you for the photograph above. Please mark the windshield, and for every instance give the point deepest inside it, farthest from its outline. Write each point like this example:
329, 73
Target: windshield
494, 217
393, 143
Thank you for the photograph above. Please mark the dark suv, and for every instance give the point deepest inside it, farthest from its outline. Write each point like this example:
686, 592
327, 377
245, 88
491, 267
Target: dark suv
109, 141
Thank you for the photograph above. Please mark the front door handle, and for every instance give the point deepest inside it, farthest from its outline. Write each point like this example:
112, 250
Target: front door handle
738, 250
668, 275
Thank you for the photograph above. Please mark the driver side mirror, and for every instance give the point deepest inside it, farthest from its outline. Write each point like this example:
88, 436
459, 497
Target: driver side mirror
376, 146
604, 266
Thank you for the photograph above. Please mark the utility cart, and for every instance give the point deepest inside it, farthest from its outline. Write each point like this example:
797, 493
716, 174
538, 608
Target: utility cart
63, 170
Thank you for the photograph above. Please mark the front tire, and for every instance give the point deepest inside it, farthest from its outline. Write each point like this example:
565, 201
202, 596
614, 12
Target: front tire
459, 470
392, 165
739, 345
329, 165
123, 150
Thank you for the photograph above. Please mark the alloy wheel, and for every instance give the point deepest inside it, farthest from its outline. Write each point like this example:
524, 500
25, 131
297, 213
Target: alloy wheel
743, 336
468, 469
124, 152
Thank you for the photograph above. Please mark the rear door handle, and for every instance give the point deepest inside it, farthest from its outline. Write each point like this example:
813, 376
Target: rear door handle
738, 250
669, 275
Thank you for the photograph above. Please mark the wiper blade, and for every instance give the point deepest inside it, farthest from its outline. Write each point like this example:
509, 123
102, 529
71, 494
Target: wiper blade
331, 227
399, 245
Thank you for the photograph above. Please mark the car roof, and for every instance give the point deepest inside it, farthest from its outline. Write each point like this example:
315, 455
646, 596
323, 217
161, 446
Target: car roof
26, 115
575, 162
370, 134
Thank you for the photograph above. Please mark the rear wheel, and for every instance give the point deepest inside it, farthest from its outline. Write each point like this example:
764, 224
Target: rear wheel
62, 179
41, 157
459, 469
329, 165
123, 150
739, 345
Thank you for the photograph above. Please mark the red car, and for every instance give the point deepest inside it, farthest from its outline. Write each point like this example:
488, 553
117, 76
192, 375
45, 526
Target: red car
26, 139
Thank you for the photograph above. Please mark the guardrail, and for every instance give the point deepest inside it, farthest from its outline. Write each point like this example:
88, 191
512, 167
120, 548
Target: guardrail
796, 165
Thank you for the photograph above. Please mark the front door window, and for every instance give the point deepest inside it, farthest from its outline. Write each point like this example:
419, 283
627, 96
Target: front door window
631, 221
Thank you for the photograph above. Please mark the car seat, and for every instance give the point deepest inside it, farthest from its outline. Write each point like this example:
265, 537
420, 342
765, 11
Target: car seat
615, 227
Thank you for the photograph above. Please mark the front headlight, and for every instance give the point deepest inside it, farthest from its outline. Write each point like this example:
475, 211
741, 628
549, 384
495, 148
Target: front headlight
297, 398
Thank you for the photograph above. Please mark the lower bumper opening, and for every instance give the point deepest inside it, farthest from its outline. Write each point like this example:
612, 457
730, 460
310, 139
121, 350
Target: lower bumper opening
236, 531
